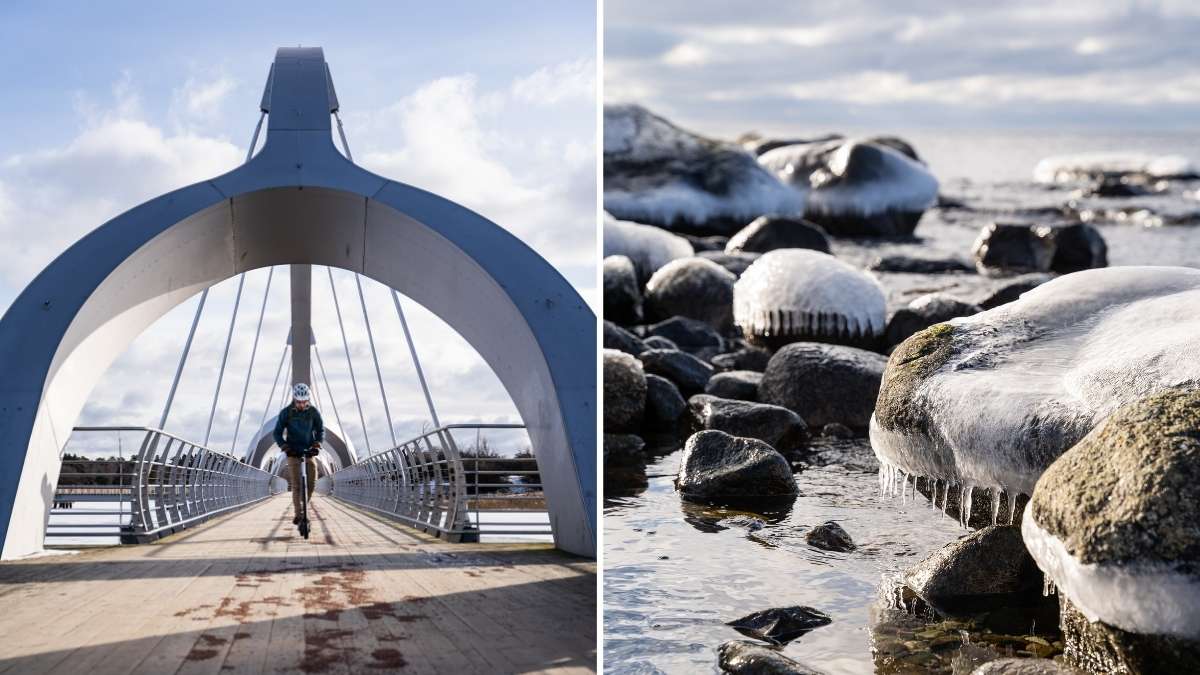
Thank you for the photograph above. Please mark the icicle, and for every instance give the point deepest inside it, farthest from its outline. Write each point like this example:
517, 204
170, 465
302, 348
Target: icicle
1047, 586
903, 488
994, 495
1012, 507
967, 508
962, 494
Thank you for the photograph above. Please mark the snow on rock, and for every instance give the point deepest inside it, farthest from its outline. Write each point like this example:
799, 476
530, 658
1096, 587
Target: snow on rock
647, 246
1100, 165
991, 400
789, 295
655, 172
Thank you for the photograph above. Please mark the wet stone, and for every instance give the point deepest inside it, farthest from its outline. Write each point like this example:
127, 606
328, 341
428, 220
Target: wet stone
691, 287
664, 404
774, 425
658, 342
622, 292
747, 658
740, 385
987, 568
624, 463
624, 392
717, 468
736, 263
768, 233
688, 373
830, 537
824, 383
1078, 246
689, 335
746, 358
1013, 248
622, 340
924, 312
915, 265
1013, 290
780, 625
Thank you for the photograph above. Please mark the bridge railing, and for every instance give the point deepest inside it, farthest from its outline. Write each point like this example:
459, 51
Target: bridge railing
430, 484
165, 485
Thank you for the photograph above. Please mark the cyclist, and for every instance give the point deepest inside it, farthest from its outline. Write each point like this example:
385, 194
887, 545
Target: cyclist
299, 432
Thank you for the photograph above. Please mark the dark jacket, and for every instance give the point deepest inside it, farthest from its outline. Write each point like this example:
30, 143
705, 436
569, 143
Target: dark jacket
299, 429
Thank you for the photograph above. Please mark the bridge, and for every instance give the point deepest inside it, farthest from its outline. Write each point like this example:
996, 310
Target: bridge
135, 549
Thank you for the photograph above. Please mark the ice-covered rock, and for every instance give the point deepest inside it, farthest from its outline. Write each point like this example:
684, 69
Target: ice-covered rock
655, 172
791, 295
647, 246
694, 288
989, 401
1115, 524
860, 188
1096, 166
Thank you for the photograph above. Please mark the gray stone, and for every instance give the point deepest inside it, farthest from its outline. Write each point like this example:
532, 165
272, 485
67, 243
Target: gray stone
1013, 289
824, 383
622, 292
1077, 246
830, 536
689, 335
624, 392
768, 233
664, 404
780, 625
1018, 666
987, 568
922, 313
624, 464
741, 385
743, 657
776, 426
688, 373
692, 287
1013, 248
736, 263
745, 358
723, 469
915, 265
622, 340
658, 342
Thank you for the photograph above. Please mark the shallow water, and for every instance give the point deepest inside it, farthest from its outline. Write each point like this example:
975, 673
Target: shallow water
674, 573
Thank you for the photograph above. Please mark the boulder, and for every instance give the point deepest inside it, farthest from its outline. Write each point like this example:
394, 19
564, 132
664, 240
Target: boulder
830, 536
741, 385
746, 358
768, 233
688, 373
1097, 166
717, 468
709, 243
624, 392
692, 287
780, 625
690, 335
658, 342
776, 426
1013, 248
824, 383
915, 265
735, 263
655, 172
648, 247
622, 291
922, 313
1115, 524
622, 340
742, 657
664, 404
985, 569
794, 295
1077, 246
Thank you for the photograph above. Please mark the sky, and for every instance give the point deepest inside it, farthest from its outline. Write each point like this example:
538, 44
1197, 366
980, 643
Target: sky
782, 67
489, 105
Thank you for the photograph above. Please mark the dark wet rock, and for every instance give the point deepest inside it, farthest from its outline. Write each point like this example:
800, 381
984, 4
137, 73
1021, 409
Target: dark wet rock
624, 463
915, 265
830, 537
774, 425
692, 287
719, 468
658, 342
746, 358
1013, 290
710, 243
657, 173
1126, 500
1019, 666
771, 232
741, 385
798, 295
647, 246
1101, 648
1078, 246
947, 202
986, 568
620, 339
924, 312
1013, 248
742, 657
736, 263
824, 383
690, 335
624, 392
781, 625
1117, 187
622, 292
837, 430
664, 404
688, 373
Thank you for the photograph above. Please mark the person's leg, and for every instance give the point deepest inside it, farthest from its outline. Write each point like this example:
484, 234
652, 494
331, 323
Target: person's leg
310, 465
294, 472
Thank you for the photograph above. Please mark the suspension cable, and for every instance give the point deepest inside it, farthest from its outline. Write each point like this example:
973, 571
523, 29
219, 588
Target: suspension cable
253, 352
271, 397
237, 300
342, 133
187, 347
349, 362
332, 398
254, 140
412, 349
375, 357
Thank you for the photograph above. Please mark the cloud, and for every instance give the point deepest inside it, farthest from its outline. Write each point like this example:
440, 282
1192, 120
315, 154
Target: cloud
572, 80
202, 100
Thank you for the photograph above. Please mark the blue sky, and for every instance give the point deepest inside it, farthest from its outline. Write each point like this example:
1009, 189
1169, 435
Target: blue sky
490, 104
786, 67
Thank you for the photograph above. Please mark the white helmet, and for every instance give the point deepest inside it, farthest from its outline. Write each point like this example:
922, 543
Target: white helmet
301, 392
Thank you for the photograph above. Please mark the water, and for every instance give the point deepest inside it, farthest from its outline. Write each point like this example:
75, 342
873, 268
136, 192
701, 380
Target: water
675, 573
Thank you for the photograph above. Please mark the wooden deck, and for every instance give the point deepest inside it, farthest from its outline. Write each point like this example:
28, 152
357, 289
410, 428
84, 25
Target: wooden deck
245, 594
